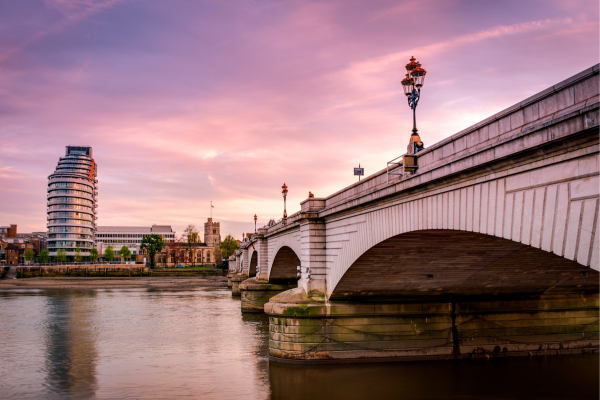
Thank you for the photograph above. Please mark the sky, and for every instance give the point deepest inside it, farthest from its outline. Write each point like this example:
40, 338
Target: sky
188, 102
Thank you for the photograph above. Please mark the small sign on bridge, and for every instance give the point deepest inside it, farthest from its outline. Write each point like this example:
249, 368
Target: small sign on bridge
359, 171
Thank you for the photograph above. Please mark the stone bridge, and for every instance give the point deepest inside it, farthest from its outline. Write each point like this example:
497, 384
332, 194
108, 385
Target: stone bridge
490, 248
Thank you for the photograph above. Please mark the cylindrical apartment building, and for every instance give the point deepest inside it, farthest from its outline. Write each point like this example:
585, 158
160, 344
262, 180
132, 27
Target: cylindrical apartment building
72, 202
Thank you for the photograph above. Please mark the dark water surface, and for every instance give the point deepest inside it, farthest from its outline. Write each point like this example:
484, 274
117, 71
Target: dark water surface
124, 344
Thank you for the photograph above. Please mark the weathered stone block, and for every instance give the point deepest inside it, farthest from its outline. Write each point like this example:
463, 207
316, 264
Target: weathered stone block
563, 99
586, 187
493, 130
460, 144
592, 118
516, 119
448, 149
587, 89
504, 125
535, 138
531, 113
483, 134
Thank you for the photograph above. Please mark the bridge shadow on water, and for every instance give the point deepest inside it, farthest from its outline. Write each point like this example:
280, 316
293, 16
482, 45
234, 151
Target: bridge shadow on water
551, 377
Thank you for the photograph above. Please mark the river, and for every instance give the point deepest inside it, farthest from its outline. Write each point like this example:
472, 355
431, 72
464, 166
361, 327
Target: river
163, 344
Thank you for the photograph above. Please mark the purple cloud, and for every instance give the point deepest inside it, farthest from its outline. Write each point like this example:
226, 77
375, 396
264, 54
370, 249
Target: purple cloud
187, 102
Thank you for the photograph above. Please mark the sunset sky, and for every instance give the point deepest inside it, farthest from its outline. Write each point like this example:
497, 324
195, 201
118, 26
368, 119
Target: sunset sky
185, 102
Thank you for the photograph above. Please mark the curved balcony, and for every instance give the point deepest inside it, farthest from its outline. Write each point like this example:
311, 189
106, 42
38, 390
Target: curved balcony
81, 195
62, 185
71, 200
69, 215
71, 208
72, 229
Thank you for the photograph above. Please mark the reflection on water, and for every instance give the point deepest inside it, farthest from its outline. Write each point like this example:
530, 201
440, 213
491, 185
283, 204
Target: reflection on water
165, 344
70, 342
568, 377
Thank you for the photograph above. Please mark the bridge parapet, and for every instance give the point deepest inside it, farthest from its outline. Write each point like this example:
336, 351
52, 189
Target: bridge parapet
559, 111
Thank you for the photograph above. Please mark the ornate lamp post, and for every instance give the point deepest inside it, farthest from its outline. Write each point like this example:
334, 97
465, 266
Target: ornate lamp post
284, 192
255, 218
412, 84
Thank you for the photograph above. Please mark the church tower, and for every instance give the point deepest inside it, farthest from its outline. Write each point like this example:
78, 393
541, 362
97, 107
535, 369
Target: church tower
212, 233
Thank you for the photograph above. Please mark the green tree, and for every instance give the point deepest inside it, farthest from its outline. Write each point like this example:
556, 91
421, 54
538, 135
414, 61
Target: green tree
124, 252
44, 256
191, 236
109, 254
78, 257
228, 246
218, 257
61, 255
152, 244
29, 254
94, 255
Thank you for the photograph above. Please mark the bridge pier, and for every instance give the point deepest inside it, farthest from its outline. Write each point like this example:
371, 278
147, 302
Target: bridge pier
235, 283
256, 293
310, 330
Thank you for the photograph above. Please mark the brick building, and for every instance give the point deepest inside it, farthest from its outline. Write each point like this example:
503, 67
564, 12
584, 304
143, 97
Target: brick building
13, 244
14, 252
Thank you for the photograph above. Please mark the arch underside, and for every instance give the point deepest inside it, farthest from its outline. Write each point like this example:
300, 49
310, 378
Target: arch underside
253, 264
432, 264
284, 268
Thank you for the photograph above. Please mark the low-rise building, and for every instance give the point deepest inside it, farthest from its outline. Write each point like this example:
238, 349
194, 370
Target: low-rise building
188, 254
206, 253
8, 231
130, 236
14, 252
21, 242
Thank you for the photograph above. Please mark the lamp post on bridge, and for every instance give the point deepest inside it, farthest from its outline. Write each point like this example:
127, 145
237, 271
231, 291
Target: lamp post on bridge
255, 218
284, 192
412, 84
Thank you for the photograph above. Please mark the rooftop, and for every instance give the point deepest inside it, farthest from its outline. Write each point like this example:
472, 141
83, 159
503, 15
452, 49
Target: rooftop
137, 229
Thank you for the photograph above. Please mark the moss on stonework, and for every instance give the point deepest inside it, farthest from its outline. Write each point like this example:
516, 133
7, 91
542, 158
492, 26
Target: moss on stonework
300, 309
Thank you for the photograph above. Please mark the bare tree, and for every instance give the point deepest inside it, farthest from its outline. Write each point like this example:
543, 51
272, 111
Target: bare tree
174, 250
191, 236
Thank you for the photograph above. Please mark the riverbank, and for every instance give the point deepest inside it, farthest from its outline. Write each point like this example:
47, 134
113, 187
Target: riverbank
86, 283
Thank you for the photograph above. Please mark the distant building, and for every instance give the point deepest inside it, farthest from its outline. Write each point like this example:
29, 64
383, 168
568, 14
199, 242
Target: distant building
72, 197
13, 244
8, 231
179, 253
13, 252
212, 233
206, 253
130, 236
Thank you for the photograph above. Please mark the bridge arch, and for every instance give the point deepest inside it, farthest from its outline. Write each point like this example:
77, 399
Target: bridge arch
283, 269
290, 240
253, 263
559, 218
452, 263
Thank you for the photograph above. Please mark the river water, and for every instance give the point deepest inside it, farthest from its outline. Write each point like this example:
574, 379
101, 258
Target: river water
164, 344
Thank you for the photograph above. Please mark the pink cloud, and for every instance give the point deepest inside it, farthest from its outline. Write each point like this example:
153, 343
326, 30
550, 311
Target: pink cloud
191, 102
